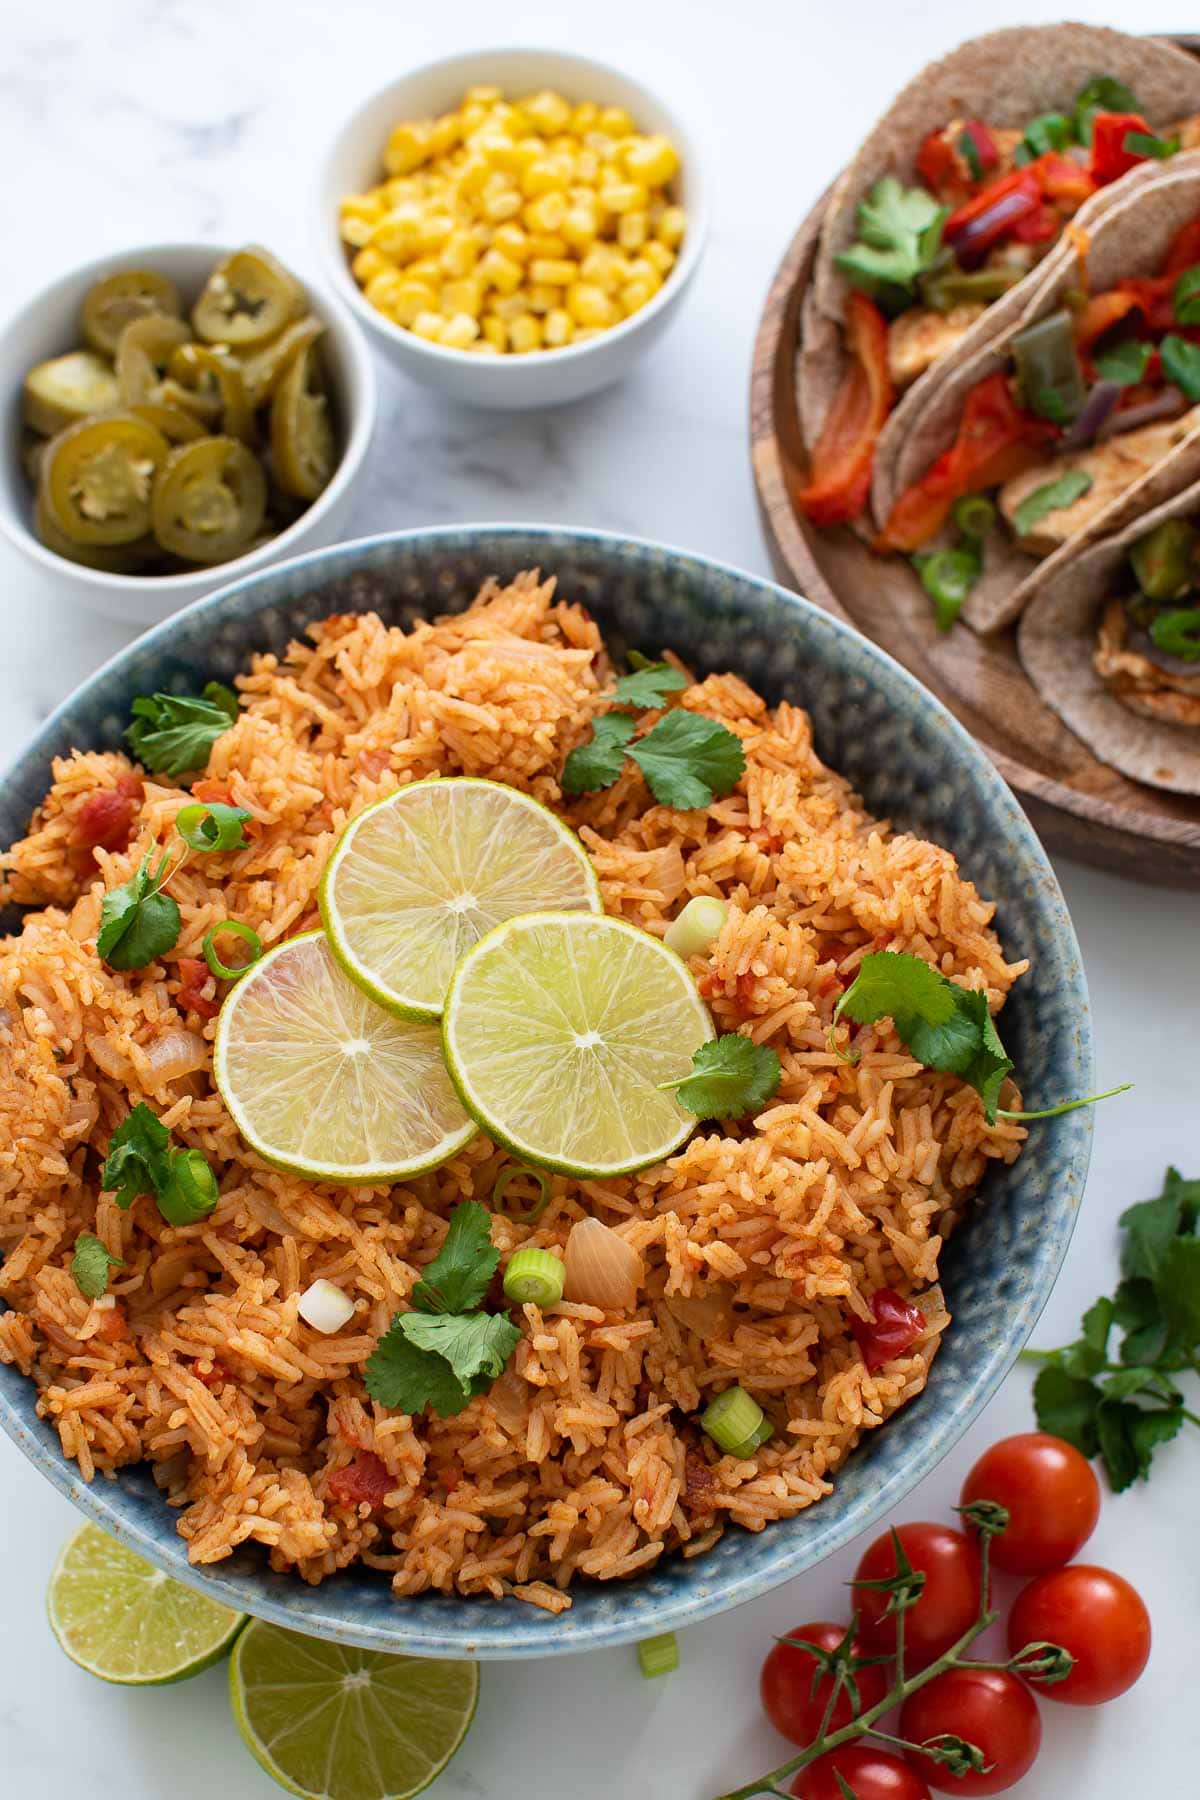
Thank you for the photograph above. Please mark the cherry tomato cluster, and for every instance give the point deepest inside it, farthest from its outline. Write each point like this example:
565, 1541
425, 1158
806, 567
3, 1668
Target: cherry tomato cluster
1053, 1501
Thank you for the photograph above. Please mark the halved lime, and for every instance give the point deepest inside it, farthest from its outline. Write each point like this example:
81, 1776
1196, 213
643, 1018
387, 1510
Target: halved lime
332, 1723
322, 1081
558, 1030
122, 1619
422, 875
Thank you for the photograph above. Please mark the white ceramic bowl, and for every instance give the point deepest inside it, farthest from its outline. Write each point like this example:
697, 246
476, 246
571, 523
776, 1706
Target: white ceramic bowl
543, 377
49, 324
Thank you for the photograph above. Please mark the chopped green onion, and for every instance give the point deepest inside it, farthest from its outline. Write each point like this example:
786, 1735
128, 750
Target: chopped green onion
974, 515
191, 1192
658, 1655
947, 577
1148, 143
534, 1277
1166, 562
533, 1213
235, 928
1181, 364
1178, 633
749, 1445
693, 930
212, 826
733, 1420
1185, 298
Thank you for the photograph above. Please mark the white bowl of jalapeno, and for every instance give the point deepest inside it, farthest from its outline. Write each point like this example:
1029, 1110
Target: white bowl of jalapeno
186, 413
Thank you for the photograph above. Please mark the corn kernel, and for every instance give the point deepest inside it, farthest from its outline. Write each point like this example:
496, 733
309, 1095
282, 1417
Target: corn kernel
434, 231
368, 263
546, 213
460, 332
541, 297
583, 118
525, 334
498, 207
444, 134
426, 268
651, 160
472, 175
624, 196
632, 230
553, 271
604, 266
499, 271
462, 297
410, 299
547, 245
587, 167
459, 254
495, 145
428, 325
615, 122
484, 94
558, 328
495, 332
406, 148
671, 227
397, 233
590, 305
658, 256
381, 289
510, 306
510, 240
548, 111
579, 227
548, 175
635, 294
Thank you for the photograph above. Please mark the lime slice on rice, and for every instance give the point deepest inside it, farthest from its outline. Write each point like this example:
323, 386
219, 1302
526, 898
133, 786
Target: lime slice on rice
558, 1030
320, 1080
333, 1723
422, 875
124, 1620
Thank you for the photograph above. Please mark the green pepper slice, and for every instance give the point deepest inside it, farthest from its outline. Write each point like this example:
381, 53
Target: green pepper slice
1166, 561
1049, 377
263, 369
119, 299
96, 479
302, 441
68, 388
209, 500
146, 347
248, 298
198, 373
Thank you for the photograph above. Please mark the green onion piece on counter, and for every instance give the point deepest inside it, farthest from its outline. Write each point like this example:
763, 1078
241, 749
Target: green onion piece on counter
191, 1193
658, 1655
974, 515
734, 1420
693, 930
533, 1213
534, 1277
212, 826
947, 577
234, 928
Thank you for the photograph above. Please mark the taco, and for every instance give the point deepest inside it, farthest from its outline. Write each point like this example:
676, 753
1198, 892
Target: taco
1075, 421
1113, 645
948, 213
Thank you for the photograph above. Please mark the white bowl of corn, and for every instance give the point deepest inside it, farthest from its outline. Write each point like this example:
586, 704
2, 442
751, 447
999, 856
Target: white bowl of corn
514, 226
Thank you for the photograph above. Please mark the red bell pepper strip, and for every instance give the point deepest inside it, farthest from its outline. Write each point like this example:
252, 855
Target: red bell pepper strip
1100, 314
1185, 249
995, 441
984, 142
975, 227
938, 167
840, 465
1061, 179
1110, 158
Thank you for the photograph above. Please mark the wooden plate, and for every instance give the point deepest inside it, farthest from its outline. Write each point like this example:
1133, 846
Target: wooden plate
1077, 804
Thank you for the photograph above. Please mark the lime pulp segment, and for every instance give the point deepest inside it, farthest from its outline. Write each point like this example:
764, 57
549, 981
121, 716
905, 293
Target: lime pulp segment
122, 1619
422, 875
333, 1723
319, 1079
560, 1029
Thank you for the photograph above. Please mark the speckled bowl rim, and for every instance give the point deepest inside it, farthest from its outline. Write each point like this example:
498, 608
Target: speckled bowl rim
506, 1631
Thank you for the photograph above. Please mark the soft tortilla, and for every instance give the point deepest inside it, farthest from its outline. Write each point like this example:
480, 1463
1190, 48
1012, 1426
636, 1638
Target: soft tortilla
1130, 238
1007, 78
1057, 637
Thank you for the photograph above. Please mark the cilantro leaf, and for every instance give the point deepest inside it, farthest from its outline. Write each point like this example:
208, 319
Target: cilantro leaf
1128, 1436
173, 734
137, 1160
1125, 363
1178, 1286
90, 1265
399, 1373
894, 984
1066, 1406
1151, 1225
1135, 1310
476, 1345
137, 921
1052, 496
731, 1078
899, 237
597, 763
649, 685
457, 1278
1103, 93
1181, 364
1049, 131
688, 759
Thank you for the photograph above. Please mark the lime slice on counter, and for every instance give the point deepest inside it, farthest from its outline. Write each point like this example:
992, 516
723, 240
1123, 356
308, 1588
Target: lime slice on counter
122, 1619
558, 1029
332, 1723
416, 880
321, 1081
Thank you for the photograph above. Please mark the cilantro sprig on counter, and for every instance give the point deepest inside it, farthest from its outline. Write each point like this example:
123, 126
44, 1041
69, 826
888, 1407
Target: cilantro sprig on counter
446, 1350
173, 734
946, 1027
1122, 1405
731, 1078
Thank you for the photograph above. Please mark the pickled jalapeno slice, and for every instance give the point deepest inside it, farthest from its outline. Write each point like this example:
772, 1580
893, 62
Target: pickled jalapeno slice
68, 388
143, 353
248, 298
302, 443
204, 373
177, 426
96, 479
263, 369
119, 299
209, 500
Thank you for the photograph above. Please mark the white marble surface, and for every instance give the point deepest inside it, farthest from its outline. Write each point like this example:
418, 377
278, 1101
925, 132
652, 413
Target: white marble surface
142, 120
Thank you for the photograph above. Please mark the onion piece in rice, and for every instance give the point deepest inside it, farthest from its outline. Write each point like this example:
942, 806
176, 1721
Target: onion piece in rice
172, 1055
601, 1268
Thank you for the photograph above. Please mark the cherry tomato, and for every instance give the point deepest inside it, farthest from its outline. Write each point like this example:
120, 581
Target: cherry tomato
894, 1327
786, 1685
1052, 1496
1095, 1615
987, 1707
947, 1606
870, 1774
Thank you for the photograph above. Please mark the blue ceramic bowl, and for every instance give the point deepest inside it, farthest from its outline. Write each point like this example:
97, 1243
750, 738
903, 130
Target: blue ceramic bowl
915, 765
